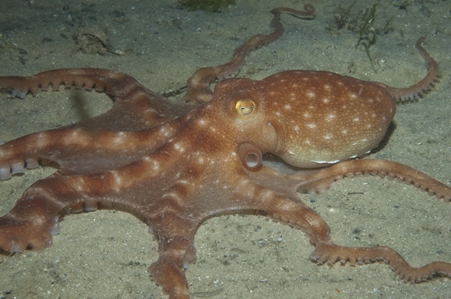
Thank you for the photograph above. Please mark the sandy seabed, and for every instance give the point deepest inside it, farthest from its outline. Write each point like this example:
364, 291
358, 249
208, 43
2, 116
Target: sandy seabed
105, 254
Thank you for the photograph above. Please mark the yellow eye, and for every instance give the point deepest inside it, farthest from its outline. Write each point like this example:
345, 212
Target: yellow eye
245, 107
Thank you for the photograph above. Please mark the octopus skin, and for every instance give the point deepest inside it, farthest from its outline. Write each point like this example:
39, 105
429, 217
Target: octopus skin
174, 165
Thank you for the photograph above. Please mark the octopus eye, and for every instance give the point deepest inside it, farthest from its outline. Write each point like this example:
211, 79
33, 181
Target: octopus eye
245, 107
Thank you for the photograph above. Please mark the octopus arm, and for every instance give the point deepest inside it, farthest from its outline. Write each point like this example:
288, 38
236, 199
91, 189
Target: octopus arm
135, 107
284, 206
175, 220
319, 181
199, 83
417, 90
33, 220
139, 121
79, 151
332, 253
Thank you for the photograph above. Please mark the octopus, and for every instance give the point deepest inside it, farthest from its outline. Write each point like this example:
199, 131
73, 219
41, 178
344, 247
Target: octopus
174, 165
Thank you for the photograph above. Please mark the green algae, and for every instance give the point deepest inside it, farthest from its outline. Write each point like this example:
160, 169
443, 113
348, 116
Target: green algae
207, 5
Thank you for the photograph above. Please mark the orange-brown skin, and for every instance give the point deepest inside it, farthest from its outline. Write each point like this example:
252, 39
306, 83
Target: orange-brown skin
175, 165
